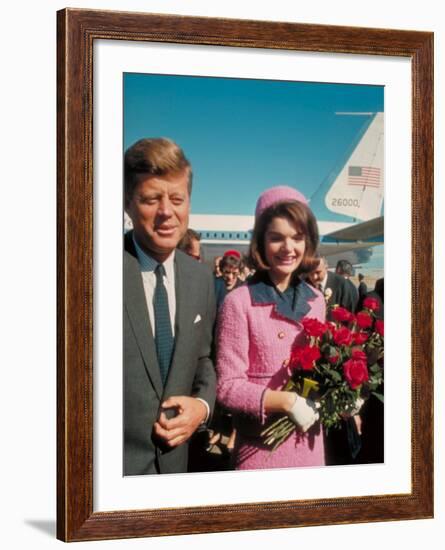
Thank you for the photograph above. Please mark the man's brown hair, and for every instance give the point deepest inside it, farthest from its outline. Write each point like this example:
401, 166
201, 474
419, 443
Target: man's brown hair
185, 243
304, 220
153, 157
232, 262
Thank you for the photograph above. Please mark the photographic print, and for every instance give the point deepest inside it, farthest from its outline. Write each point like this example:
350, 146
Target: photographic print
206, 380
240, 140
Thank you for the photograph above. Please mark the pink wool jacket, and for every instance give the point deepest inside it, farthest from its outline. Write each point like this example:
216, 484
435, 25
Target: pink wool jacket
256, 332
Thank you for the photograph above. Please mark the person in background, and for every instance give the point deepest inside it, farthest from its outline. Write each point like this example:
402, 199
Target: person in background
379, 290
332, 286
246, 270
230, 266
191, 245
341, 445
169, 313
258, 327
362, 288
377, 294
345, 270
216, 269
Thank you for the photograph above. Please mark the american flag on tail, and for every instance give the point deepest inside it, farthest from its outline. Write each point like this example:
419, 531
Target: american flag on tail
364, 176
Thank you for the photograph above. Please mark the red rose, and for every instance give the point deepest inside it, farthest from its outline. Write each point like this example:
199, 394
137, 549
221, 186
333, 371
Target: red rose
343, 336
358, 354
304, 357
371, 303
313, 327
360, 337
380, 327
341, 314
364, 320
355, 372
334, 357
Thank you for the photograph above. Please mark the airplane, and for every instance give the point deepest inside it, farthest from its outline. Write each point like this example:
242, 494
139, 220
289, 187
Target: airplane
353, 192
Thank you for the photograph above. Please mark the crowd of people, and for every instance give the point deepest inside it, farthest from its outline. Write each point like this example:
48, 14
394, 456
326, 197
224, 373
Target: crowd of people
205, 354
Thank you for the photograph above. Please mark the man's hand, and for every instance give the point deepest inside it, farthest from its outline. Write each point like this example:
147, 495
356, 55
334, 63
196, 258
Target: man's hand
191, 413
358, 423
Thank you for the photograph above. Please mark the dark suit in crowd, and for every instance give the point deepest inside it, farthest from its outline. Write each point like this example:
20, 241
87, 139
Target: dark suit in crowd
362, 290
345, 446
337, 441
342, 293
372, 449
337, 446
221, 290
351, 295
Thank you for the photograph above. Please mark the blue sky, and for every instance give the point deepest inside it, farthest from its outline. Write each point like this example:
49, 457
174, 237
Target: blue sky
243, 136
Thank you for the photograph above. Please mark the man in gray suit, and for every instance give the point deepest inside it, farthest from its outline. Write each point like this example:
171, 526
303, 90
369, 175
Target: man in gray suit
169, 313
333, 287
344, 269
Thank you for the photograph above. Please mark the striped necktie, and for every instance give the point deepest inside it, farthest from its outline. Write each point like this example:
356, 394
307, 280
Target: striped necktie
164, 337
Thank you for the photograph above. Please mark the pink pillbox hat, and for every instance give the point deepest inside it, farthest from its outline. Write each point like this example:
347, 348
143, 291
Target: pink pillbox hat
274, 195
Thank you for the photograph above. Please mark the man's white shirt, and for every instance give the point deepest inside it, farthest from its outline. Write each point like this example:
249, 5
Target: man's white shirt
148, 266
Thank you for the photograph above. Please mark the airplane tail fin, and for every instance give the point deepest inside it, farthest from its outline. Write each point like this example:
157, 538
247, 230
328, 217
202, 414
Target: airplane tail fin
357, 191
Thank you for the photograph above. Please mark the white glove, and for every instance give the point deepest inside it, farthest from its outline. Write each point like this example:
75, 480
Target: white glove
303, 413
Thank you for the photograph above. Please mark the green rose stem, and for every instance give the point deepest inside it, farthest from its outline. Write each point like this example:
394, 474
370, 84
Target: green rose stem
275, 430
284, 428
282, 440
280, 436
276, 427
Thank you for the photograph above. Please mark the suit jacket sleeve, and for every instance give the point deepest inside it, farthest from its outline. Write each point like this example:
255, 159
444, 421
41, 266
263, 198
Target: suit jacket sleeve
204, 383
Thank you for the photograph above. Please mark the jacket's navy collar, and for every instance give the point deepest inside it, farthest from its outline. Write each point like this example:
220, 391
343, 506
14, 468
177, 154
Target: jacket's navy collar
293, 304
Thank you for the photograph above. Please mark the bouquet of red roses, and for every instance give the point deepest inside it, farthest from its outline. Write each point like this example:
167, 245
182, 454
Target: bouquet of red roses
340, 366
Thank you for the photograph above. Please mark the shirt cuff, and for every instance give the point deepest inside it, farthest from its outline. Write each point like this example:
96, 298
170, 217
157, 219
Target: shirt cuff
207, 409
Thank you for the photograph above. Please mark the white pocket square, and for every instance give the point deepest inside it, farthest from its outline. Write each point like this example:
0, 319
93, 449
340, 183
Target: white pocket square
197, 319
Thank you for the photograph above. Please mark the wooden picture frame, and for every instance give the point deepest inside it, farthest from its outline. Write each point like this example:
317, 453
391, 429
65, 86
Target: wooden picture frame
77, 31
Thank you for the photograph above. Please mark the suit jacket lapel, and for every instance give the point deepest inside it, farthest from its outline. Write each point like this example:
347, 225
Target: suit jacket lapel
137, 311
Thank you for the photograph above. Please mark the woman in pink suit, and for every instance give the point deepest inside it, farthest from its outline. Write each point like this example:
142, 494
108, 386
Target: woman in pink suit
259, 325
